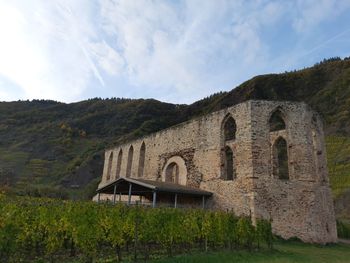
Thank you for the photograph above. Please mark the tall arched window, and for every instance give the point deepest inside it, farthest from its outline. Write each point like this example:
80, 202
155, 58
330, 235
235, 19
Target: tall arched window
129, 165
229, 171
280, 159
172, 173
109, 169
119, 164
276, 121
229, 128
142, 159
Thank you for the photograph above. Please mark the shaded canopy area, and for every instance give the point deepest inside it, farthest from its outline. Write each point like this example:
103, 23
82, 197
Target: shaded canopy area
153, 190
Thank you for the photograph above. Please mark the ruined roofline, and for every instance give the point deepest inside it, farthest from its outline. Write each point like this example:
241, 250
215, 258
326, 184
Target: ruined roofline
206, 115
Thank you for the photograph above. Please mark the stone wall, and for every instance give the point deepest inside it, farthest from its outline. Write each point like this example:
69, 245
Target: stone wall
301, 206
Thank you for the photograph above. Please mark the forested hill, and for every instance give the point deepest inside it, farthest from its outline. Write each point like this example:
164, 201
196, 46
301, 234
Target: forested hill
52, 148
49, 148
325, 87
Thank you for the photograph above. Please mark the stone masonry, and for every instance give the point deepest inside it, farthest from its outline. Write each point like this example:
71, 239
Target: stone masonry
244, 170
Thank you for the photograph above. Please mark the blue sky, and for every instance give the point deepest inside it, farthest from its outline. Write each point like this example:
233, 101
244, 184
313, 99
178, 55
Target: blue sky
175, 51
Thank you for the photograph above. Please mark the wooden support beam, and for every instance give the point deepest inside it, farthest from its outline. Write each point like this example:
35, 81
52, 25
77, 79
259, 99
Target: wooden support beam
129, 196
98, 197
203, 202
114, 193
154, 198
175, 205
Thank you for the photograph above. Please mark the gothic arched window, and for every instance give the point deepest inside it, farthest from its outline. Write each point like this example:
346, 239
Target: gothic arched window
129, 164
229, 129
109, 169
280, 159
229, 171
276, 121
142, 159
119, 163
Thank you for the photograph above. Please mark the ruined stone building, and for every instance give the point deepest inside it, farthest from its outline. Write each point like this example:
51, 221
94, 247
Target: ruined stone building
263, 159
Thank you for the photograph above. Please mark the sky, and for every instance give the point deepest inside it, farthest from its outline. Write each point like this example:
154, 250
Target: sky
173, 51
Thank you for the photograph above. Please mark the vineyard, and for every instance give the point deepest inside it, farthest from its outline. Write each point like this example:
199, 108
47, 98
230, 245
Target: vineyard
50, 230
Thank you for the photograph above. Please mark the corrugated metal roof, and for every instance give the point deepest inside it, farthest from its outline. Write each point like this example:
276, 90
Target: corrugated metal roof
152, 186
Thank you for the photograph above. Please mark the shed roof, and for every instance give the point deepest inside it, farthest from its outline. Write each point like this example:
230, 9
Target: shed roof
140, 186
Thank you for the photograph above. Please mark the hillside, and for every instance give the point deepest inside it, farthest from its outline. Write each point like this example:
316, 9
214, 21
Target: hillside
325, 87
48, 147
55, 149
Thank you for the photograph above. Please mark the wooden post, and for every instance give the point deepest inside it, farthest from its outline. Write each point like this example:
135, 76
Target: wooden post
203, 201
98, 197
129, 197
154, 198
120, 197
175, 205
114, 193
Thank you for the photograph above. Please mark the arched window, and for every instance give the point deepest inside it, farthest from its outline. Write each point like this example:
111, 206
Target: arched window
142, 159
172, 173
119, 163
109, 169
229, 128
277, 121
129, 165
280, 159
229, 171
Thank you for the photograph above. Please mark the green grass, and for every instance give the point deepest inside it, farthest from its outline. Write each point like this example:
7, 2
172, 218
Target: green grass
286, 252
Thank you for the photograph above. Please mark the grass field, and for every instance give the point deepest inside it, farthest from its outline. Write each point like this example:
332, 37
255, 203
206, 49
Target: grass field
285, 252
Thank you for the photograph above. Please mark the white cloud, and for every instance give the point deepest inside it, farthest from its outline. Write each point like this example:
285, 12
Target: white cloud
177, 51
20, 59
310, 13
173, 46
107, 58
51, 49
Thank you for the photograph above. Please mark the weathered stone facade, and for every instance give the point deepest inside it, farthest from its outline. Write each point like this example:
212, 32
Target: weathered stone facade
278, 173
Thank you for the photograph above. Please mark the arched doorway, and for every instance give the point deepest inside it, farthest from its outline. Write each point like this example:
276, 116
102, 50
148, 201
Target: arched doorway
175, 171
172, 173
